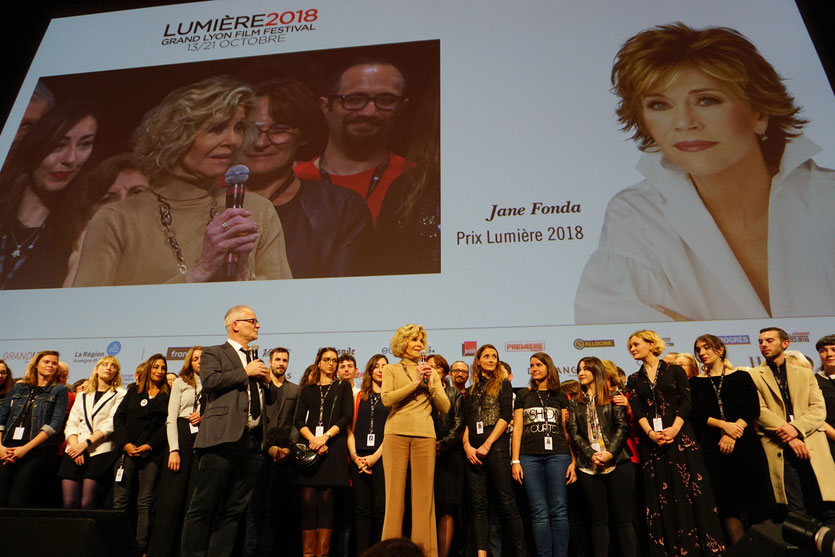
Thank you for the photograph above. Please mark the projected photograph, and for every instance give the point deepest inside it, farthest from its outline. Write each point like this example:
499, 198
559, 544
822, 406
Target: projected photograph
120, 177
733, 217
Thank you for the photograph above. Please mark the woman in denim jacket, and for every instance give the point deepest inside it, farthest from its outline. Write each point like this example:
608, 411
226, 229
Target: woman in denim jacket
30, 416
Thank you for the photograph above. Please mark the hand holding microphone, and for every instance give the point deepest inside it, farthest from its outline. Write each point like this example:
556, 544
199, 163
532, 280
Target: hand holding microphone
256, 368
423, 365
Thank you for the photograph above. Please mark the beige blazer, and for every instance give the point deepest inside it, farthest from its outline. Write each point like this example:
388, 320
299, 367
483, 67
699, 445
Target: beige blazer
809, 415
410, 407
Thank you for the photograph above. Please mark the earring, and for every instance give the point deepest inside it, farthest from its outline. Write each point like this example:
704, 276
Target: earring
763, 137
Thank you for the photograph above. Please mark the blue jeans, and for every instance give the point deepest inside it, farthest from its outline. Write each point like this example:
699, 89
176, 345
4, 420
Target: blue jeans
544, 480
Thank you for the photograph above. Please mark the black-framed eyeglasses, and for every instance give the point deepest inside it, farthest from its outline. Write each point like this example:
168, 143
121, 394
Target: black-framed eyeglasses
252, 321
461, 371
277, 133
328, 360
357, 101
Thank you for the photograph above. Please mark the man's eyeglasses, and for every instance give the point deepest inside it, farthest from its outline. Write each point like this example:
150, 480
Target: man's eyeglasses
252, 321
357, 101
278, 133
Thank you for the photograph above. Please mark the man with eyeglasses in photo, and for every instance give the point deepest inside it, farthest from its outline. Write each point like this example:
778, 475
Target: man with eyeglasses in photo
327, 230
459, 372
229, 439
364, 99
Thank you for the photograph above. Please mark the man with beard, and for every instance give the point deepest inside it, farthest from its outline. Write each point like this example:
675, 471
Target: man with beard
792, 412
459, 372
363, 102
327, 230
268, 516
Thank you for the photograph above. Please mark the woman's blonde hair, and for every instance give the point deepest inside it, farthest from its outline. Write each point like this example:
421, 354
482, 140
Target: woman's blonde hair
493, 385
691, 362
652, 59
168, 131
187, 373
93, 381
658, 344
403, 335
30, 376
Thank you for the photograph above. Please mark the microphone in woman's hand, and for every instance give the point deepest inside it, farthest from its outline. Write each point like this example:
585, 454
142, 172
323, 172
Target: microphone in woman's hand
423, 354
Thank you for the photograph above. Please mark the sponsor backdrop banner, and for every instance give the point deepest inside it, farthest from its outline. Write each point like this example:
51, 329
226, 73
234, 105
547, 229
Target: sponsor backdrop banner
531, 157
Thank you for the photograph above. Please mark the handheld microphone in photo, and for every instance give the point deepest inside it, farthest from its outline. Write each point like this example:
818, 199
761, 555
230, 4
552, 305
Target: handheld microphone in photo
235, 178
423, 354
253, 352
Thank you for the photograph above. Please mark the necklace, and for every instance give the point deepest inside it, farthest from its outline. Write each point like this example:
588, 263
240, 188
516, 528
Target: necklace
33, 237
165, 219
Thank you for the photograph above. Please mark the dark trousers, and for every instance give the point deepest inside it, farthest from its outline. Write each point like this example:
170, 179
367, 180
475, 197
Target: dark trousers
140, 475
21, 483
609, 496
802, 490
175, 489
225, 479
369, 505
272, 518
495, 473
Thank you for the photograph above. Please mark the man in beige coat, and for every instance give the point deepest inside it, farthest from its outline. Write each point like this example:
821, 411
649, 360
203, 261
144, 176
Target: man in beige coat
791, 420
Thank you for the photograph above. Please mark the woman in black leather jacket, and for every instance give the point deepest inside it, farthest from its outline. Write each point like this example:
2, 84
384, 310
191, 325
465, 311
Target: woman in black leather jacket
606, 472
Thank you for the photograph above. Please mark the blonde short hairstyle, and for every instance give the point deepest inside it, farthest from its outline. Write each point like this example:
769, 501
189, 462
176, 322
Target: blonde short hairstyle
93, 381
167, 132
403, 335
652, 59
658, 344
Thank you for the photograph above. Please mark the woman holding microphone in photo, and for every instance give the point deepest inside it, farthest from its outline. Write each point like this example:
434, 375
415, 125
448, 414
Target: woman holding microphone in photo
411, 391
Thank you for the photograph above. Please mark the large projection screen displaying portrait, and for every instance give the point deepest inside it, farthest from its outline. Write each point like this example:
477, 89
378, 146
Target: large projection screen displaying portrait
605, 168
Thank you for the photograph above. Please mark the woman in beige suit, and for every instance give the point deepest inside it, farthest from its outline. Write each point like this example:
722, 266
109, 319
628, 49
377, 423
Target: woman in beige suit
411, 391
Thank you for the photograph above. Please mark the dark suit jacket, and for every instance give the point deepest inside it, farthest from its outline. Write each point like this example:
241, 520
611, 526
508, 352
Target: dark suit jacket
278, 416
225, 385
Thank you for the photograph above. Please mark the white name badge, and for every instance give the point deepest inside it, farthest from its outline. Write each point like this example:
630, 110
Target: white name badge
791, 417
370, 440
119, 473
596, 447
549, 443
479, 427
657, 424
143, 402
193, 428
18, 433
320, 431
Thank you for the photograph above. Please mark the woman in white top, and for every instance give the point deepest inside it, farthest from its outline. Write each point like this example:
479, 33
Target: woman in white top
178, 476
732, 208
89, 455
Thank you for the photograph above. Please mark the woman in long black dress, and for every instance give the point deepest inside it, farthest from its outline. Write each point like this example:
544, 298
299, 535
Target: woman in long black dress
323, 414
680, 512
725, 408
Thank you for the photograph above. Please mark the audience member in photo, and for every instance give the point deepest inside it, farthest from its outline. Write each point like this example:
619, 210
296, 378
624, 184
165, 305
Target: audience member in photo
6, 380
826, 381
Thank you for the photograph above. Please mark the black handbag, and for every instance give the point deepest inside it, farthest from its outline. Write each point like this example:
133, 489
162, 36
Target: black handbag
301, 455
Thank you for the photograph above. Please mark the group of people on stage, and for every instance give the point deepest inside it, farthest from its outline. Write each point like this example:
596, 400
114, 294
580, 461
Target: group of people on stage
326, 189
234, 455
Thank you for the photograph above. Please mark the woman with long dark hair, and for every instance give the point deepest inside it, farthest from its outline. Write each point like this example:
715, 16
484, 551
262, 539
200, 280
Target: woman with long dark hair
41, 209
177, 482
323, 414
599, 429
681, 516
542, 459
725, 408
89, 456
486, 445
139, 433
365, 445
31, 419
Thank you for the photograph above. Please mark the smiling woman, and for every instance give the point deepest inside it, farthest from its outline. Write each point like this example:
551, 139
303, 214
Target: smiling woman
184, 146
732, 204
43, 173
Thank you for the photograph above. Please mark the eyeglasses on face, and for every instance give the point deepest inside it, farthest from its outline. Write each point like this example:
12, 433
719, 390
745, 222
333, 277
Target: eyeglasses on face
277, 133
252, 321
328, 360
357, 101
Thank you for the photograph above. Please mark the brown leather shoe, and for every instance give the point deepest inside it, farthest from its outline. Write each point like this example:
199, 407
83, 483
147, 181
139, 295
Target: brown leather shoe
323, 542
308, 543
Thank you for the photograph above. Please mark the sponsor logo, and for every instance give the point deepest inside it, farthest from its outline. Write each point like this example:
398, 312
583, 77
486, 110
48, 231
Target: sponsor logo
668, 341
580, 343
9, 356
524, 346
87, 356
114, 348
567, 370
177, 352
799, 337
469, 348
735, 339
